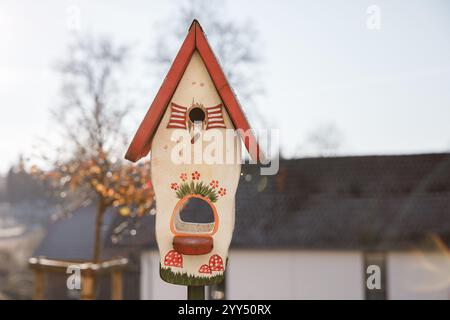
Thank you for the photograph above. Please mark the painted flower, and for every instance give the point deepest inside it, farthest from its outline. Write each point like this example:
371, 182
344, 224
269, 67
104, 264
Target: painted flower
195, 175
222, 191
183, 176
174, 186
214, 184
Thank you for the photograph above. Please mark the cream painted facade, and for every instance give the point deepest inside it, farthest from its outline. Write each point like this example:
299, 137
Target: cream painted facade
196, 86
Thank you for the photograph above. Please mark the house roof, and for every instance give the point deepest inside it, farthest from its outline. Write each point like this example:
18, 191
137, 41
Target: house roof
344, 203
195, 41
378, 202
63, 241
72, 238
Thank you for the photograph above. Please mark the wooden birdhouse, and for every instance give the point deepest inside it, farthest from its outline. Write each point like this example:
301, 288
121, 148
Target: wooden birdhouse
195, 101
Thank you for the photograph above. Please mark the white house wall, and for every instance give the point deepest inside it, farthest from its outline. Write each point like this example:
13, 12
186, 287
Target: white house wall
418, 275
273, 275
313, 275
294, 275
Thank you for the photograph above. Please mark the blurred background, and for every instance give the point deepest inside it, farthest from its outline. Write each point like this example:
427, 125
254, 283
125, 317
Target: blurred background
358, 90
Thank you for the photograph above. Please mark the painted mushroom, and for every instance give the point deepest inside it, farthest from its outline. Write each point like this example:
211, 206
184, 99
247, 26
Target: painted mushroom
205, 269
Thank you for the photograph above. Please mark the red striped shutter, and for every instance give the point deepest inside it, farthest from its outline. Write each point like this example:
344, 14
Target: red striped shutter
215, 117
177, 117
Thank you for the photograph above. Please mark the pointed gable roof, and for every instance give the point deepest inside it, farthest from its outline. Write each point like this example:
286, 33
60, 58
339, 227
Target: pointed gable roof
195, 40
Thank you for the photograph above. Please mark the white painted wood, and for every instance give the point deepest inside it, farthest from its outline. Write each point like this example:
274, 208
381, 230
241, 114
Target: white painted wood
195, 86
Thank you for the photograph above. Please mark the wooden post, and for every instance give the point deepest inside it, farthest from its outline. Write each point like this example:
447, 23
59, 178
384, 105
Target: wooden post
39, 278
87, 286
116, 285
196, 292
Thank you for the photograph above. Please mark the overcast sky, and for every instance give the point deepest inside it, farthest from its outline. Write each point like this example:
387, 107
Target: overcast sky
386, 89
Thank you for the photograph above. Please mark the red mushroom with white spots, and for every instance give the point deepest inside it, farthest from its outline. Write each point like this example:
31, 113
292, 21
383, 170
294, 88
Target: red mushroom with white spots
173, 259
216, 263
204, 269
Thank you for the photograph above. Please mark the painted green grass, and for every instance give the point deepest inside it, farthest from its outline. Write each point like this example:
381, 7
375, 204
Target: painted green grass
187, 280
197, 188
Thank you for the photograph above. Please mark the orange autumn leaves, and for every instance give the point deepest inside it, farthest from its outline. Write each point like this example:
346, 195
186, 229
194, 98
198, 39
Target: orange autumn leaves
125, 186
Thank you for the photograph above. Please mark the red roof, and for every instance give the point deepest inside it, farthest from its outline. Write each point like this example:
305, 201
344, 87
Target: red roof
195, 40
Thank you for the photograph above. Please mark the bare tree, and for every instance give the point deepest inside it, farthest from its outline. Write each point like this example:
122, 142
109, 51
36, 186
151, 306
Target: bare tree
87, 164
92, 109
235, 44
324, 141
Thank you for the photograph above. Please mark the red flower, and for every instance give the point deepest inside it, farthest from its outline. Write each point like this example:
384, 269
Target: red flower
214, 184
174, 186
195, 175
183, 176
222, 191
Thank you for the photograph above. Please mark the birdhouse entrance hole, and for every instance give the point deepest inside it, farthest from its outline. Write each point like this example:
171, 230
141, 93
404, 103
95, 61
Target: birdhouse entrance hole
197, 115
